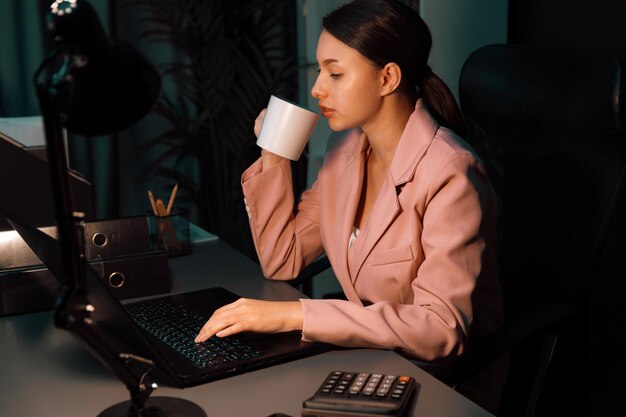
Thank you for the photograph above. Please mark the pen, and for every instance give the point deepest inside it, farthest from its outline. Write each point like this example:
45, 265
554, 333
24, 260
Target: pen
153, 203
172, 197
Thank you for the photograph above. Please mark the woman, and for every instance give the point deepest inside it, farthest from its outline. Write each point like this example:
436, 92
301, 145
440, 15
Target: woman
402, 207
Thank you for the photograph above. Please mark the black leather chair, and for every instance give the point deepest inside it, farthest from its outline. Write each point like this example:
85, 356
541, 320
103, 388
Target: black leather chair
549, 124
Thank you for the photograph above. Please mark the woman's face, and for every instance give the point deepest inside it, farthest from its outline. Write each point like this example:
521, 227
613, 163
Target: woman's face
348, 85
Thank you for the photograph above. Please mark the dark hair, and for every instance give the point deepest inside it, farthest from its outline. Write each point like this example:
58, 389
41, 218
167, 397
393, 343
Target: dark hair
387, 31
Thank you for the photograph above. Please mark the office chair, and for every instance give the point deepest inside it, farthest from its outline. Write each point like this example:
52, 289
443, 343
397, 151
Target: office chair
304, 281
549, 125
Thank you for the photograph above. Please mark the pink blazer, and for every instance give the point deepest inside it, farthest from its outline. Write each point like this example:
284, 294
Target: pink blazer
421, 276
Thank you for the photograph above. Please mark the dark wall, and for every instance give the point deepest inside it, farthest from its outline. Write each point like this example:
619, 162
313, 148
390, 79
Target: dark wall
594, 391
219, 61
572, 23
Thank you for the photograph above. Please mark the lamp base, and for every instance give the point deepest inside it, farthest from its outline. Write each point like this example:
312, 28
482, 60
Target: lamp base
156, 407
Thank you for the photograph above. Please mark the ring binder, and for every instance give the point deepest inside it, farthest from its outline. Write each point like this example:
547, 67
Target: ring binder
120, 251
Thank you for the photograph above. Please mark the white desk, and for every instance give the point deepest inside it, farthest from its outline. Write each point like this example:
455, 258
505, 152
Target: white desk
48, 373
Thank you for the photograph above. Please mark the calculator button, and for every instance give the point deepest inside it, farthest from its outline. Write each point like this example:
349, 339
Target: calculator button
347, 391
355, 388
365, 385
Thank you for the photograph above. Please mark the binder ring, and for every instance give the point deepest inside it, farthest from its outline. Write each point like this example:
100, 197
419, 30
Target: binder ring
117, 280
99, 239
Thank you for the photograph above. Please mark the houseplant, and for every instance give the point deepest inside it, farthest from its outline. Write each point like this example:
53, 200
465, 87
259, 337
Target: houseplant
227, 57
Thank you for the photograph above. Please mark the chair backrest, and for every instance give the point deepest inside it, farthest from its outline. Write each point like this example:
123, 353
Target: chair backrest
549, 125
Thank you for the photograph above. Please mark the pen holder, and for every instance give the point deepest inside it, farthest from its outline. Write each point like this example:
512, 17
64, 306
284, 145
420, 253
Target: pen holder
170, 233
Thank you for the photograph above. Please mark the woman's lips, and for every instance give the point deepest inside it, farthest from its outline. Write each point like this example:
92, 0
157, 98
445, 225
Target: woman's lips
326, 111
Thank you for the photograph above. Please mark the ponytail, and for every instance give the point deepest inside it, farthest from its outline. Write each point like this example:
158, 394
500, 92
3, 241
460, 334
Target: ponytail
441, 103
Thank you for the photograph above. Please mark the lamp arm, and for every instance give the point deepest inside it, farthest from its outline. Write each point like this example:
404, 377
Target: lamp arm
72, 310
52, 55
81, 44
68, 221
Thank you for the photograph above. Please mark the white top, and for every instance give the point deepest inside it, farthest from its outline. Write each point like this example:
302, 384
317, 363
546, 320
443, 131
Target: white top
353, 236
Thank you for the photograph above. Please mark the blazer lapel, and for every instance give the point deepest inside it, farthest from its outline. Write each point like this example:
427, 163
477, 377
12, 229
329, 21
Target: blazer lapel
383, 213
413, 144
348, 191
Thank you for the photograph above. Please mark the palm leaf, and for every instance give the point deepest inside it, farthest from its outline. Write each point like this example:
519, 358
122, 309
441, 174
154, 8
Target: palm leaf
234, 53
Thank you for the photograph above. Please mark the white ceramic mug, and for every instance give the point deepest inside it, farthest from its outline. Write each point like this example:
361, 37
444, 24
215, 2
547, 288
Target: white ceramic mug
286, 128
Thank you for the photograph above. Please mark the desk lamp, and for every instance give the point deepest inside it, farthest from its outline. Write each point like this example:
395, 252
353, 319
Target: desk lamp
93, 86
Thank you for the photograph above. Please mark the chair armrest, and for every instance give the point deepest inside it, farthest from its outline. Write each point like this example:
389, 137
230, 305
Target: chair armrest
320, 264
548, 320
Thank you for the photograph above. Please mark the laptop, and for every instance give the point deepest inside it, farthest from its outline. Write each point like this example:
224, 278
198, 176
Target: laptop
147, 328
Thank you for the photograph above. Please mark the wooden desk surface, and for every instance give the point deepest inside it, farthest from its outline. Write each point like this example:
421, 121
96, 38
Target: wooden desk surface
47, 372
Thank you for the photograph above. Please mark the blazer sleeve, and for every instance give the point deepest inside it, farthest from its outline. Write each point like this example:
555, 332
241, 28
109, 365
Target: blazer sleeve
285, 240
434, 322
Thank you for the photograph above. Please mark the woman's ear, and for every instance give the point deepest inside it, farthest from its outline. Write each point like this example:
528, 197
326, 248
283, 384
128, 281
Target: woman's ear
391, 75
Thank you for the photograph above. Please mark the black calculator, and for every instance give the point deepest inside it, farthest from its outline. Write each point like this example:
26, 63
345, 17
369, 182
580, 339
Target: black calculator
359, 394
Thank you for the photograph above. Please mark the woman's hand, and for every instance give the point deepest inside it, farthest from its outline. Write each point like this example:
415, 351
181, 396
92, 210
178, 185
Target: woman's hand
269, 159
246, 315
258, 122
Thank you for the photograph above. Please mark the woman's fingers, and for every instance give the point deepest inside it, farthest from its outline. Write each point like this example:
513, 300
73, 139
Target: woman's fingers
258, 122
231, 330
252, 315
219, 321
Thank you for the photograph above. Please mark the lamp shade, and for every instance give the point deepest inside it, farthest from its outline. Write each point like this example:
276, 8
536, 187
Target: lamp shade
102, 86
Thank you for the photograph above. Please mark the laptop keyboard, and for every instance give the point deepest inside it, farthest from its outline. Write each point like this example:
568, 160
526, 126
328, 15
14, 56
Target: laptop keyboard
178, 326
